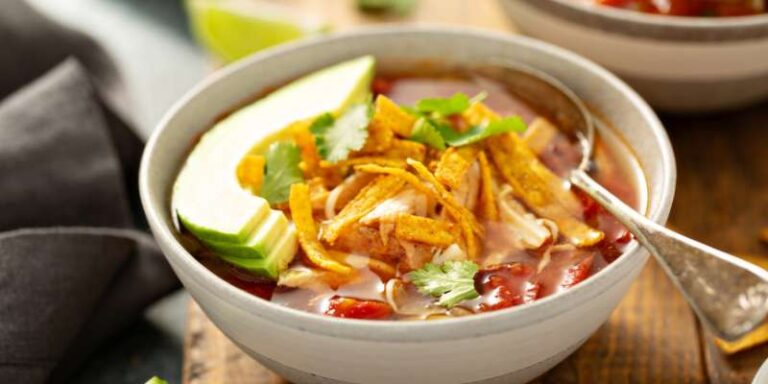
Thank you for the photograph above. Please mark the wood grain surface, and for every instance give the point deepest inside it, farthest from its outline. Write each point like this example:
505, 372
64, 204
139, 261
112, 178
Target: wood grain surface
652, 337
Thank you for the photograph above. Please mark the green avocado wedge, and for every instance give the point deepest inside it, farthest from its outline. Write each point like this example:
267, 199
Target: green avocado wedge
274, 263
207, 196
263, 239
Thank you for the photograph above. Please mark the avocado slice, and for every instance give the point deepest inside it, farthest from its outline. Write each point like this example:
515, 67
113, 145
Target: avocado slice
207, 196
275, 262
262, 240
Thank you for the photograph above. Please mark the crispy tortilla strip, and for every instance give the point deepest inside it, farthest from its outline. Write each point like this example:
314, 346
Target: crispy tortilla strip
454, 164
467, 221
752, 339
445, 197
378, 160
540, 189
310, 158
351, 187
488, 205
423, 230
318, 193
406, 176
438, 193
406, 149
391, 116
758, 336
380, 130
380, 189
301, 213
478, 113
540, 134
250, 172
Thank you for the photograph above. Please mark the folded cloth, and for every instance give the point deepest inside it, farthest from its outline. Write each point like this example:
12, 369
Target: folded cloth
80, 275
33, 44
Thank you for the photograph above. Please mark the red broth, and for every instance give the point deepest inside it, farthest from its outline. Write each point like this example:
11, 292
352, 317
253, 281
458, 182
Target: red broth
508, 276
699, 8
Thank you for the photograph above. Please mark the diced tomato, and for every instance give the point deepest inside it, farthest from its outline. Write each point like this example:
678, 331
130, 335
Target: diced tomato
589, 207
616, 236
381, 86
577, 273
506, 286
350, 308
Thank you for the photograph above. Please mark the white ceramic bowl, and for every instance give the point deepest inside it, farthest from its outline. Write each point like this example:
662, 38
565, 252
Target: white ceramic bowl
507, 346
679, 64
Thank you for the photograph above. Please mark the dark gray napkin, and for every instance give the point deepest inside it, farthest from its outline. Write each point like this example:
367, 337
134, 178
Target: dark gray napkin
73, 271
33, 44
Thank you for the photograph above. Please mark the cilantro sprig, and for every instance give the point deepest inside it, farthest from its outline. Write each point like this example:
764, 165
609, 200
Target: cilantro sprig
434, 129
425, 132
457, 103
452, 282
480, 132
281, 169
336, 138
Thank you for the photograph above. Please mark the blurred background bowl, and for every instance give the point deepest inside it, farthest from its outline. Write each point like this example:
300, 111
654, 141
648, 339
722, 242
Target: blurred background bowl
679, 64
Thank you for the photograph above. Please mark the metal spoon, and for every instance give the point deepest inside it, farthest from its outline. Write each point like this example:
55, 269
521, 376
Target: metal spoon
728, 294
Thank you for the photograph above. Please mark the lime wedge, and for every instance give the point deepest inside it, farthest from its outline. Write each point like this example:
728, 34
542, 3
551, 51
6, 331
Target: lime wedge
233, 29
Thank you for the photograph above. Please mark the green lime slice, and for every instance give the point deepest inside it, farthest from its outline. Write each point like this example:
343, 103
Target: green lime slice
233, 29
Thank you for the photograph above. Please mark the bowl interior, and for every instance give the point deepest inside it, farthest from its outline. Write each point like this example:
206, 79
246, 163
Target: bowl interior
618, 104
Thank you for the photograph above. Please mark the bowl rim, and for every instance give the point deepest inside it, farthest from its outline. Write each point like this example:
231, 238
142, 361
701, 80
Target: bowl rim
392, 330
693, 22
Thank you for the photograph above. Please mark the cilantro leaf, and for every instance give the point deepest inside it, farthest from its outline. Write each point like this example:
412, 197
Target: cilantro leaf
281, 169
457, 103
335, 138
425, 132
453, 282
481, 132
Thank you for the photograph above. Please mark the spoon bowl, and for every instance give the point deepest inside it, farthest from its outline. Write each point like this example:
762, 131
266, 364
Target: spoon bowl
728, 294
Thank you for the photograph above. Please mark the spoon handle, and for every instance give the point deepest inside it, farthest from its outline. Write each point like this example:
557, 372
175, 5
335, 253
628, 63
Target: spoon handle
728, 294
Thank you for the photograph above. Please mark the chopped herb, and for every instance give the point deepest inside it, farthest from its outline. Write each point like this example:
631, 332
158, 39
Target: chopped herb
426, 133
481, 132
457, 103
335, 138
281, 170
453, 282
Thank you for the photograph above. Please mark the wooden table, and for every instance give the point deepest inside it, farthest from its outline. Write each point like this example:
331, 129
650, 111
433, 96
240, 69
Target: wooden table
652, 337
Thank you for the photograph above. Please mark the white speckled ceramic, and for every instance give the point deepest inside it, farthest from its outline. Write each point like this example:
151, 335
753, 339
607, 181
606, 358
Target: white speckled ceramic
680, 64
507, 346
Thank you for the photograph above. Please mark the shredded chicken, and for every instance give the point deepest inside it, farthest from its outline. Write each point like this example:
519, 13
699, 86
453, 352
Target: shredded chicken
467, 192
530, 231
451, 253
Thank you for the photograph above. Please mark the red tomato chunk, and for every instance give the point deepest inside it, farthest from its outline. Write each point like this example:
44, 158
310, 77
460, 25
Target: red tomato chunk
506, 286
350, 308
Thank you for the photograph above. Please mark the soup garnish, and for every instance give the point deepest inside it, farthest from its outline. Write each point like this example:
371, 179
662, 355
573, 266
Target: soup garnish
408, 197
701, 8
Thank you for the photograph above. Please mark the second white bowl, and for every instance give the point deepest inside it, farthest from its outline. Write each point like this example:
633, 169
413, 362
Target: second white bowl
679, 64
